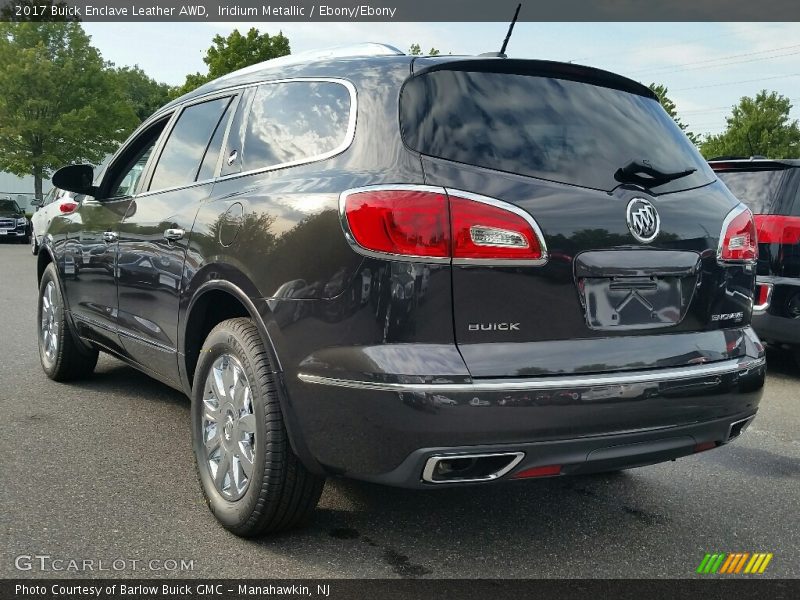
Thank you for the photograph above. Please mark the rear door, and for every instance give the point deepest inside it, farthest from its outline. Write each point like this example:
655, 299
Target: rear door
629, 260
154, 234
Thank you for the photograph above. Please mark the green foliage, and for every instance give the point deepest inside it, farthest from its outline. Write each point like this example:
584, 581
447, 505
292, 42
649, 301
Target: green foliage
757, 126
672, 110
58, 104
144, 94
415, 50
228, 54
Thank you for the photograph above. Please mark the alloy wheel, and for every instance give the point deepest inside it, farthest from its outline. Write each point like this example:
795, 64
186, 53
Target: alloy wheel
50, 325
229, 427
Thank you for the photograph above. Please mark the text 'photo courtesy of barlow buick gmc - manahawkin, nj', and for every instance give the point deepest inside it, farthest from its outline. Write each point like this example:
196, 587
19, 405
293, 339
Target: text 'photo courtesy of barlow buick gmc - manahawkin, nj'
366, 264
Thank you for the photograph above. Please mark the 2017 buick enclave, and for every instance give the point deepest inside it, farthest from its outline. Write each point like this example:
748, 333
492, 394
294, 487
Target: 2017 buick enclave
421, 272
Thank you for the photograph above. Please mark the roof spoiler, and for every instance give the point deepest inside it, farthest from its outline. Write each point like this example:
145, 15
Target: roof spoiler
540, 68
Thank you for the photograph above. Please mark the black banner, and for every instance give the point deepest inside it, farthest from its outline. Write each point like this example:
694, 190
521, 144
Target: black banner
399, 10
405, 589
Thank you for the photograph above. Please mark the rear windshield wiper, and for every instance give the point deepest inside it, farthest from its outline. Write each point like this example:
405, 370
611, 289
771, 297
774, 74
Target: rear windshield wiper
644, 174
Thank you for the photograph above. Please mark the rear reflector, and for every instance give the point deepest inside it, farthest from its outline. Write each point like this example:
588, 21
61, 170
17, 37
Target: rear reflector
705, 446
738, 241
407, 221
546, 471
778, 229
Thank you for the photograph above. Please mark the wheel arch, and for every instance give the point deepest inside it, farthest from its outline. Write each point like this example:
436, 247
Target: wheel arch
217, 299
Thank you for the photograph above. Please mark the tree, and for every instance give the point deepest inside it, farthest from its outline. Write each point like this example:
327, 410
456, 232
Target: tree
415, 50
757, 126
144, 93
672, 110
58, 104
228, 54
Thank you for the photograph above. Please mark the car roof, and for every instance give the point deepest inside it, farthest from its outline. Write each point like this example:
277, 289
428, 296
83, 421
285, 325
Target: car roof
344, 61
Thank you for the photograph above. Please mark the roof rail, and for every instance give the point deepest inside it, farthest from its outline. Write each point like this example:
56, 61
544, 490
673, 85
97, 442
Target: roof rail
348, 51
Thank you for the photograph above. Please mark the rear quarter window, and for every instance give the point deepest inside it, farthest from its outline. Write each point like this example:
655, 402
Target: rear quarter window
556, 129
295, 122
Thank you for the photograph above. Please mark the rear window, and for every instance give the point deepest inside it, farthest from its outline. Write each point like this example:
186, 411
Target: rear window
560, 130
757, 189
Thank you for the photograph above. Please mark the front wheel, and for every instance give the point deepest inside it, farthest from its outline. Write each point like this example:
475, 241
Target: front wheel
251, 479
62, 355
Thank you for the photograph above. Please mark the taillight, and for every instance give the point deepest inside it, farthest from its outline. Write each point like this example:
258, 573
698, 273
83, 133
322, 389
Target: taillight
406, 222
429, 223
738, 240
491, 232
778, 229
66, 208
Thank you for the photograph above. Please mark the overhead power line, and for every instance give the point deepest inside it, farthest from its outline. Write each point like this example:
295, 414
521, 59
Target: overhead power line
713, 85
721, 58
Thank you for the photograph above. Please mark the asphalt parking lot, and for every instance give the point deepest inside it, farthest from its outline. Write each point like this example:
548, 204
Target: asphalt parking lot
102, 469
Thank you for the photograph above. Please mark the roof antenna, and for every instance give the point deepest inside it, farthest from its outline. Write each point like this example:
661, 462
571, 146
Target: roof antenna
502, 53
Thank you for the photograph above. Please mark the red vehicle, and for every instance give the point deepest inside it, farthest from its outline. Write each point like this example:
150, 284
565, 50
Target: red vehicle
771, 189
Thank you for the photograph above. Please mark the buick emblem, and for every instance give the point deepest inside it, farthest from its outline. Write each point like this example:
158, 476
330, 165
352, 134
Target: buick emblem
643, 220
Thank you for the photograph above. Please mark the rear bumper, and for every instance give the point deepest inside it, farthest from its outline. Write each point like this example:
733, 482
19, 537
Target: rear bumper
579, 456
776, 325
385, 432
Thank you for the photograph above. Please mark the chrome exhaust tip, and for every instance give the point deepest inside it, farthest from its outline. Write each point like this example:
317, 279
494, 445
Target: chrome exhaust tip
468, 468
738, 427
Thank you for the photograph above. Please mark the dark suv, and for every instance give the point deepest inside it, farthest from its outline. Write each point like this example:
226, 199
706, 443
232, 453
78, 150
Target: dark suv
13, 222
420, 272
771, 189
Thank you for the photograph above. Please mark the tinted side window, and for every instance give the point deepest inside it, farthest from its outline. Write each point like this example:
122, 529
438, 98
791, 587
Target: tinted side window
187, 143
209, 165
295, 121
757, 189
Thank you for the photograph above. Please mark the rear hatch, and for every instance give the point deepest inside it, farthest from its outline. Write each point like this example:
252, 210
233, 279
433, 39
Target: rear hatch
629, 214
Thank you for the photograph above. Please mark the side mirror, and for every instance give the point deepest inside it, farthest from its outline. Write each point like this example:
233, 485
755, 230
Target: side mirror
75, 178
36, 205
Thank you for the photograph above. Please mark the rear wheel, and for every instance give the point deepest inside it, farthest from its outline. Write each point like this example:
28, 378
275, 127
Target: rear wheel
62, 355
252, 480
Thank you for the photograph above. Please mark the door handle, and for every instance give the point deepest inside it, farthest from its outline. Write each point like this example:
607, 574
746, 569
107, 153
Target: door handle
109, 236
174, 234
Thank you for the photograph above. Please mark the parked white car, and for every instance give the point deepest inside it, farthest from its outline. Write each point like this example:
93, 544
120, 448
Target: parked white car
44, 213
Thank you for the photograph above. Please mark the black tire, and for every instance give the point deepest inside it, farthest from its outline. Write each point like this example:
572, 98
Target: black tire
796, 353
281, 493
70, 359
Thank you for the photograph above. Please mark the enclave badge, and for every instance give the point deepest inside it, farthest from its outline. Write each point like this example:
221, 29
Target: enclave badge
643, 220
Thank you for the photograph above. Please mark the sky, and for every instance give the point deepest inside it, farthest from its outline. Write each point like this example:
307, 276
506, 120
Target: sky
707, 67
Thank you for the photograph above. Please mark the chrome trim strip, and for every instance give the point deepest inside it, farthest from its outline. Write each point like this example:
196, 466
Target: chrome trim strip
735, 212
760, 308
546, 383
124, 332
430, 465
